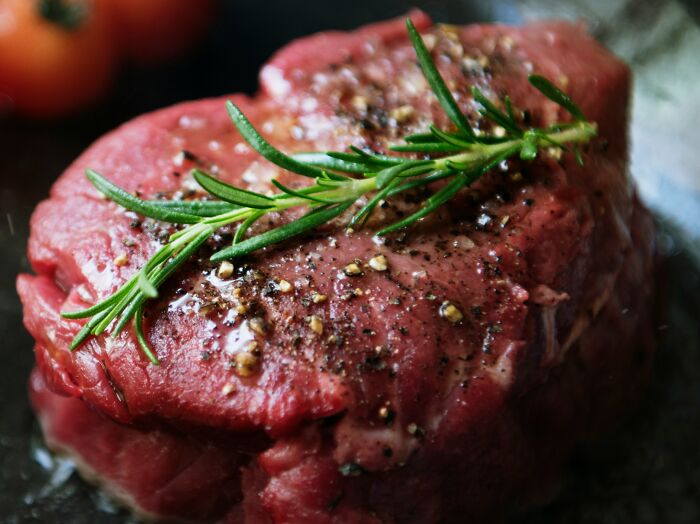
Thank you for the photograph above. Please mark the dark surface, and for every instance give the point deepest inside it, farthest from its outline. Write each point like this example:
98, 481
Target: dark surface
646, 471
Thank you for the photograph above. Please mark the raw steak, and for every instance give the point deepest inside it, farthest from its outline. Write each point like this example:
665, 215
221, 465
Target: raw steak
368, 404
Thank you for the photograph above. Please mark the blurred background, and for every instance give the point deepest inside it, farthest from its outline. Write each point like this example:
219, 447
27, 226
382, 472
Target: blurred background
68, 75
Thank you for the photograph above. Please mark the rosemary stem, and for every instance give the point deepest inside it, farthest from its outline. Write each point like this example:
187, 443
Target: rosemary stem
583, 132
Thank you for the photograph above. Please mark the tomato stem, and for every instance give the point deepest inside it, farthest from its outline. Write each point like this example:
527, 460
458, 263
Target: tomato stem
70, 15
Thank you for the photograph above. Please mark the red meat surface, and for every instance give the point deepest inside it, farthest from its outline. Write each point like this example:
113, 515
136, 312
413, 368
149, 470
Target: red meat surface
392, 413
156, 471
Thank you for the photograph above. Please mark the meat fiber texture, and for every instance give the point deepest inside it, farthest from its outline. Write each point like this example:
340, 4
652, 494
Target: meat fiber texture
390, 412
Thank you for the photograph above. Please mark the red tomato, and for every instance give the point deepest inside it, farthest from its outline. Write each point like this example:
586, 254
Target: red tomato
53, 64
153, 30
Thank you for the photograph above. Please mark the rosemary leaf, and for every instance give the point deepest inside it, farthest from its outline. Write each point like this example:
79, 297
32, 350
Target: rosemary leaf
241, 197
100, 306
183, 255
309, 221
305, 195
419, 182
433, 203
132, 203
371, 160
437, 83
200, 208
490, 111
556, 95
127, 314
380, 159
367, 209
449, 138
138, 327
116, 310
426, 147
86, 330
418, 138
509, 108
390, 173
245, 225
329, 162
146, 286
262, 146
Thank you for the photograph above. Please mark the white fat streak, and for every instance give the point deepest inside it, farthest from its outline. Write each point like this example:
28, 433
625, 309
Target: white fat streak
502, 372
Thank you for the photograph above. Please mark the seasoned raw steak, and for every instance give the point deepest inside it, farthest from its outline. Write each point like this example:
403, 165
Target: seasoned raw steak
506, 327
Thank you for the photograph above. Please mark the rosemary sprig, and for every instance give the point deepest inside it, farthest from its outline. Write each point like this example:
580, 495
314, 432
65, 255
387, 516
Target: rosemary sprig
340, 179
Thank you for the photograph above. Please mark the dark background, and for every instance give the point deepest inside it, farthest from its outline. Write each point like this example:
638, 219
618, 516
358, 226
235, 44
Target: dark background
646, 471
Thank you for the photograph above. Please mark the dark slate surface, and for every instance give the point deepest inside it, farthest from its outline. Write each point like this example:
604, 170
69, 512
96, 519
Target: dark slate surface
646, 471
